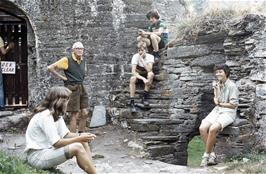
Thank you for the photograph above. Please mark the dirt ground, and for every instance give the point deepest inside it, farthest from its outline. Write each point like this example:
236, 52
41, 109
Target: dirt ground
111, 154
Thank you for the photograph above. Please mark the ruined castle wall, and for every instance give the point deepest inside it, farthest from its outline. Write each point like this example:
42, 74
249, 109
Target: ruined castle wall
108, 29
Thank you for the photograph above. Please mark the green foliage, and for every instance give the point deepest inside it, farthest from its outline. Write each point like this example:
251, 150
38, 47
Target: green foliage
13, 165
195, 151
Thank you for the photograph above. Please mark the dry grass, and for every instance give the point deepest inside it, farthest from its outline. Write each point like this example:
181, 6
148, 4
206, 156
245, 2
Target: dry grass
213, 20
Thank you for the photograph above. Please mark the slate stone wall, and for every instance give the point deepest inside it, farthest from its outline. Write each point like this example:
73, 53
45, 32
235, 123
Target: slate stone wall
182, 95
107, 28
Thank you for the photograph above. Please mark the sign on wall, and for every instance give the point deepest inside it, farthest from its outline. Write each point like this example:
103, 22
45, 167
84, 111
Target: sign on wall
8, 67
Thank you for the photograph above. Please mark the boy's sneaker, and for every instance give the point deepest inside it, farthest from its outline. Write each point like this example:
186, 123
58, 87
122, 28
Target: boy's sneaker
212, 159
204, 161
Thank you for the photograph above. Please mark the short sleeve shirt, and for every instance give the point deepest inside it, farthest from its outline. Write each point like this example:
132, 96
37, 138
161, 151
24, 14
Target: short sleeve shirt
136, 59
43, 132
63, 62
155, 27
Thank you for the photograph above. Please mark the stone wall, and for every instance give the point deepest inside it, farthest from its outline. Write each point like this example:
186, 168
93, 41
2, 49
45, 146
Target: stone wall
108, 29
182, 95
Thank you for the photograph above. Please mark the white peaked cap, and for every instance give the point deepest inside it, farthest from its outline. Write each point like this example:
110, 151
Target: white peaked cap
77, 45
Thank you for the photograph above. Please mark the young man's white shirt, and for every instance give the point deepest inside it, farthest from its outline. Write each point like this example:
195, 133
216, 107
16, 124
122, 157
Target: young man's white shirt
136, 59
43, 131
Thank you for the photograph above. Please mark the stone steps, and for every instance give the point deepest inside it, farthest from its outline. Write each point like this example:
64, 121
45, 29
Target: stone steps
150, 124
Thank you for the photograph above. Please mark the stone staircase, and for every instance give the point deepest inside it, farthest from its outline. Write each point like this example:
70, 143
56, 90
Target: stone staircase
153, 124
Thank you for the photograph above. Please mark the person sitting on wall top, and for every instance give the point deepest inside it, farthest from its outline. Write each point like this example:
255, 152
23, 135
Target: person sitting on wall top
226, 101
142, 64
48, 140
157, 35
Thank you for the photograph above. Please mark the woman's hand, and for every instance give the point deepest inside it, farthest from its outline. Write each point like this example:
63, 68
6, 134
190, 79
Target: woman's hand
86, 137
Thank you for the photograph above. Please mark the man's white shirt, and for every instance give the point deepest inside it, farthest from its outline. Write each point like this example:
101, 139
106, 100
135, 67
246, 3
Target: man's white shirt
136, 59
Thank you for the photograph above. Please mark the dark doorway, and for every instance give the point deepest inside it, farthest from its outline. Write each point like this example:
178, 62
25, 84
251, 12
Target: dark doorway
13, 27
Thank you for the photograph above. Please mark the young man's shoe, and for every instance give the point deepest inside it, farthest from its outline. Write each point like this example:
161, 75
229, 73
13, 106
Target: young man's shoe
205, 159
132, 106
156, 56
212, 159
145, 98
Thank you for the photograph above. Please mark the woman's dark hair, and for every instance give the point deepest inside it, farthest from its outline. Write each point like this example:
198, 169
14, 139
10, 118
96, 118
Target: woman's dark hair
153, 13
55, 101
224, 67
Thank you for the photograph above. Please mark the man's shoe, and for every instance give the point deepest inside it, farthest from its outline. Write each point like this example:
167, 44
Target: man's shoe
212, 159
204, 161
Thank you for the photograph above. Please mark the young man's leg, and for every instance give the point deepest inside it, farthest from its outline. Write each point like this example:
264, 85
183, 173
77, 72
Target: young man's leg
150, 76
155, 40
83, 159
132, 87
145, 40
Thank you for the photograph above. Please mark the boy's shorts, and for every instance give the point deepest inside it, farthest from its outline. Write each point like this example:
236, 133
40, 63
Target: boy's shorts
78, 99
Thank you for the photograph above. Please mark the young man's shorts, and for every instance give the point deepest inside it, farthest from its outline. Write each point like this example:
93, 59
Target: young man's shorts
78, 99
224, 116
48, 158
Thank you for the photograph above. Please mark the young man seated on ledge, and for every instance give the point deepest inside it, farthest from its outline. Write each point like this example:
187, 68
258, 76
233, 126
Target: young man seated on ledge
156, 36
142, 64
224, 113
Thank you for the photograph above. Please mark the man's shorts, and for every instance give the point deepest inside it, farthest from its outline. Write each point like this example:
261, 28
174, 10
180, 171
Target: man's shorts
48, 158
224, 116
142, 71
78, 99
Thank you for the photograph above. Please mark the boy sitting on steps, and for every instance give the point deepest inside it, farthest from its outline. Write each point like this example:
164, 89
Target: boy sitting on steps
142, 64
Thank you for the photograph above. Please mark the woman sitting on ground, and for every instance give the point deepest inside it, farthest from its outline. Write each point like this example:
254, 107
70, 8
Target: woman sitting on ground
48, 140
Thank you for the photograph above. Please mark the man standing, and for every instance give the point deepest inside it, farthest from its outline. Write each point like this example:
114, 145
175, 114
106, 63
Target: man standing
3, 50
142, 63
156, 35
224, 113
74, 68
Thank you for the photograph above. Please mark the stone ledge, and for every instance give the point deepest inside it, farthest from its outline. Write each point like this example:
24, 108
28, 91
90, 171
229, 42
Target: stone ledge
236, 127
156, 121
161, 138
